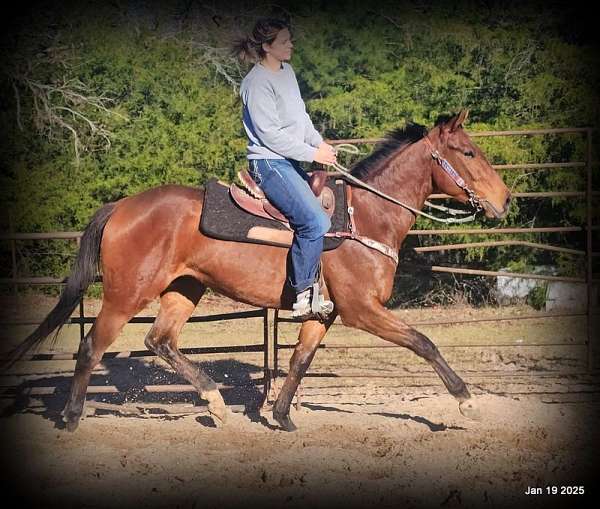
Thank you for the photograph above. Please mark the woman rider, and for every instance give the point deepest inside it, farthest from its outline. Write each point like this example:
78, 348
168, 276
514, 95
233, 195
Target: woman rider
281, 134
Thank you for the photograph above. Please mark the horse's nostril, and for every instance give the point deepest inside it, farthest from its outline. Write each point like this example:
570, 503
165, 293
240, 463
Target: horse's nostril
507, 203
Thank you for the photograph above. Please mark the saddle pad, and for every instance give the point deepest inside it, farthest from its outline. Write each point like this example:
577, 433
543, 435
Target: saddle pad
222, 219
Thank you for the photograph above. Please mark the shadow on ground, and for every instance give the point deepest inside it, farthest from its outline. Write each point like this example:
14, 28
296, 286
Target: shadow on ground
130, 376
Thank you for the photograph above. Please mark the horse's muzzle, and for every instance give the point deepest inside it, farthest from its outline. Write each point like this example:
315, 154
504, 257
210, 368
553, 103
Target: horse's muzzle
493, 212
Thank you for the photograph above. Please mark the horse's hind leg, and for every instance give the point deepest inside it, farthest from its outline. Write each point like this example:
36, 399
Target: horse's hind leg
177, 303
103, 333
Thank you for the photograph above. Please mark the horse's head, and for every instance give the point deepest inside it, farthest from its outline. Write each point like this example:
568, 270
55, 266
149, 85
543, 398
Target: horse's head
477, 182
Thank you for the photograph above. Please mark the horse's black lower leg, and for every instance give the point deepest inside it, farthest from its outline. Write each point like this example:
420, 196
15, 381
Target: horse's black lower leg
383, 323
299, 363
102, 334
424, 347
311, 334
81, 378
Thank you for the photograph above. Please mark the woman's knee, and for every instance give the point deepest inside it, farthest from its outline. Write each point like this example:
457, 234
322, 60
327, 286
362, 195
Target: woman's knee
317, 226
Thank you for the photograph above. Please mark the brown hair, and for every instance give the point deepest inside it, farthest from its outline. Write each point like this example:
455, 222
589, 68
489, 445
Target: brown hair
249, 49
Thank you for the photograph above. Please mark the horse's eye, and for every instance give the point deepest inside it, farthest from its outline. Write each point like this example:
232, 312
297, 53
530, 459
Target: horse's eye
469, 153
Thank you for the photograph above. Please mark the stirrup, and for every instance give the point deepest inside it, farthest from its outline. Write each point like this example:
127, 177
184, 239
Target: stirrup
311, 305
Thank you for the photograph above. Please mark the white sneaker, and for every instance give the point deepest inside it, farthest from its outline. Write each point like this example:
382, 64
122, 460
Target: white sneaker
302, 305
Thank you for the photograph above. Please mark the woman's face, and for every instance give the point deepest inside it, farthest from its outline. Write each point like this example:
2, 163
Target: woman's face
281, 47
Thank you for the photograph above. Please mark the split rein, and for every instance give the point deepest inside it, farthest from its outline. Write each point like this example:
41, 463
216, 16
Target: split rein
474, 200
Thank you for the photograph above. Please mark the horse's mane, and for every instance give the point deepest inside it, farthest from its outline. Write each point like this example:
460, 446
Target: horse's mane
396, 140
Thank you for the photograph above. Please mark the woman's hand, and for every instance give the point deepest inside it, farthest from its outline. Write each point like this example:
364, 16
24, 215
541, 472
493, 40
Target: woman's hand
325, 154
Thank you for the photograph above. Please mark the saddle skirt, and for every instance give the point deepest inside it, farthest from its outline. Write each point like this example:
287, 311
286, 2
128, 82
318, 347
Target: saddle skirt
230, 212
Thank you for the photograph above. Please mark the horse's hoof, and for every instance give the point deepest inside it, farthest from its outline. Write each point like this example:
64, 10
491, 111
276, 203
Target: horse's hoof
71, 422
470, 410
219, 412
216, 407
285, 422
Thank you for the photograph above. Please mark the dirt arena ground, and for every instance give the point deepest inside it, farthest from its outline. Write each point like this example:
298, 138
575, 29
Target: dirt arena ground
362, 442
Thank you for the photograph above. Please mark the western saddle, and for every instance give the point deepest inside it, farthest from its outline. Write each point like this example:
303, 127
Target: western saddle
251, 198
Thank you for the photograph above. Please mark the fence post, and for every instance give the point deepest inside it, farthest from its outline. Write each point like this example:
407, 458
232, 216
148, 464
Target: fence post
589, 267
276, 345
81, 305
13, 252
266, 367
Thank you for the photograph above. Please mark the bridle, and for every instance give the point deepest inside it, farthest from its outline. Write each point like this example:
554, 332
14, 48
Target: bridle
474, 200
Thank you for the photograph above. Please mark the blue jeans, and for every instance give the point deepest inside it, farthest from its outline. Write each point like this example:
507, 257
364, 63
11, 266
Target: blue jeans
285, 184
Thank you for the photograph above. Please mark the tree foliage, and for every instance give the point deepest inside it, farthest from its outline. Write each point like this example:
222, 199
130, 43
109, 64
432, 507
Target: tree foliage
101, 103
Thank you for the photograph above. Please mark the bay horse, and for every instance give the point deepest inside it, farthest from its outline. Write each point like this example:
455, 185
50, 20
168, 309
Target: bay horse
149, 245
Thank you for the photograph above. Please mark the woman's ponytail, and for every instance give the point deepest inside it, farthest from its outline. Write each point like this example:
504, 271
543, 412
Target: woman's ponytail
246, 50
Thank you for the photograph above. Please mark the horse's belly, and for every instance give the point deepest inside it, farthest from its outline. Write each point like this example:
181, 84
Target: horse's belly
250, 273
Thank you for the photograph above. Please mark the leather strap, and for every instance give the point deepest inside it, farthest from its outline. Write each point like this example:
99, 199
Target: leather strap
353, 234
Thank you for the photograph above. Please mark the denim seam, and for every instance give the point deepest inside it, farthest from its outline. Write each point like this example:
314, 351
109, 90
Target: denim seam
285, 189
274, 169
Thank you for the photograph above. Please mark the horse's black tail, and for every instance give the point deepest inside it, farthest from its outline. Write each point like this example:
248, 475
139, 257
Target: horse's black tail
82, 276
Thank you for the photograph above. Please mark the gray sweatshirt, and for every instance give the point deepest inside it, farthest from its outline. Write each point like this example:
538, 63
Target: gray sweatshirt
275, 117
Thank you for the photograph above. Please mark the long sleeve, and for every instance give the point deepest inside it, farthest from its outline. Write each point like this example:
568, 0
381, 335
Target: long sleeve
261, 106
311, 135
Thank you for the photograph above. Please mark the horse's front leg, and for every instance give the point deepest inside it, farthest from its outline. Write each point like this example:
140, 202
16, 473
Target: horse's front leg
376, 319
311, 334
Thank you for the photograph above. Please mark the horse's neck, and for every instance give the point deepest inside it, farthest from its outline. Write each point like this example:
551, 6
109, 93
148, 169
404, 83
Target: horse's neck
405, 177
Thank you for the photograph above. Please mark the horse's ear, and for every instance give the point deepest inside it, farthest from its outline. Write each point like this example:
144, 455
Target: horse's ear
458, 121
